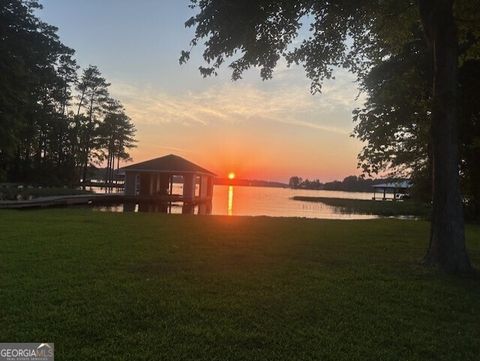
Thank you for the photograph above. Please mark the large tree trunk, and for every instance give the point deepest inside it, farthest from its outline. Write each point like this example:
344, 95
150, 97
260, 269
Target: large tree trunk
447, 240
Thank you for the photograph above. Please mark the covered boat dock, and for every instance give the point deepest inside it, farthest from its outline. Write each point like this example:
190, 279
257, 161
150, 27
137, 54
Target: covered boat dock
397, 190
154, 179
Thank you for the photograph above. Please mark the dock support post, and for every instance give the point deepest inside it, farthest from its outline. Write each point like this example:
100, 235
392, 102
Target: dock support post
210, 186
189, 187
144, 184
203, 187
158, 184
153, 181
130, 183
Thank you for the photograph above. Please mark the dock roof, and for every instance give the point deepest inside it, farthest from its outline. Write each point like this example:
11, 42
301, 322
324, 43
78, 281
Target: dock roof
167, 164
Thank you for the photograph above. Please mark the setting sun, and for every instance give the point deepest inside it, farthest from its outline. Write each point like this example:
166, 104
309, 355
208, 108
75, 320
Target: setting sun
231, 175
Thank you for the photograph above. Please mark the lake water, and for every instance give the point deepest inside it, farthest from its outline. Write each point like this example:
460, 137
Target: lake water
264, 201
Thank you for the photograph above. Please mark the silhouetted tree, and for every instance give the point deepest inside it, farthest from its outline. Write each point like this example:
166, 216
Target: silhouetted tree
259, 33
294, 182
116, 134
394, 123
33, 95
42, 138
93, 89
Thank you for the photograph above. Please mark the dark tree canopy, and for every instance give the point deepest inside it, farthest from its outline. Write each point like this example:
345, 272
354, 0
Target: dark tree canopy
350, 34
394, 122
46, 137
343, 33
373, 39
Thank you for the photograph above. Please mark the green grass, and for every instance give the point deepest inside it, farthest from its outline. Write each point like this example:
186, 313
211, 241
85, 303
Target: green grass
368, 206
106, 286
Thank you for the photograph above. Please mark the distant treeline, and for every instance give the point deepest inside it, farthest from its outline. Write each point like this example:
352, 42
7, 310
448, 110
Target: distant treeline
349, 184
56, 121
249, 182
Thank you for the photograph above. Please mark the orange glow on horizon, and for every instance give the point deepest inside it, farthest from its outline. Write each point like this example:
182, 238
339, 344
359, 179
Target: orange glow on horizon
248, 159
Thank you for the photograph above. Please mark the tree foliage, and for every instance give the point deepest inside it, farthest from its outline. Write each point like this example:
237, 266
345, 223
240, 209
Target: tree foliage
394, 123
375, 40
320, 35
49, 116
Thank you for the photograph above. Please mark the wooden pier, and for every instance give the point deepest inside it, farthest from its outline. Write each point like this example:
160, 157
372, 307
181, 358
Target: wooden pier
98, 199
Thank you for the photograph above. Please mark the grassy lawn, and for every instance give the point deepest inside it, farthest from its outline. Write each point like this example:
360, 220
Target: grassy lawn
368, 206
106, 286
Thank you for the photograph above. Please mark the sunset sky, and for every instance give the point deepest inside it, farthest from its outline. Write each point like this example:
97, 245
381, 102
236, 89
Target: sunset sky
260, 130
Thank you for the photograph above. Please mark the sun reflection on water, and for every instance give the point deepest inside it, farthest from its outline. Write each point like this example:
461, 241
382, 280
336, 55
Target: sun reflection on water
230, 201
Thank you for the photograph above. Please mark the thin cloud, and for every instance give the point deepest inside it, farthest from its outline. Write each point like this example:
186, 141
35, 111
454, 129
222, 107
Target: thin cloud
233, 103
